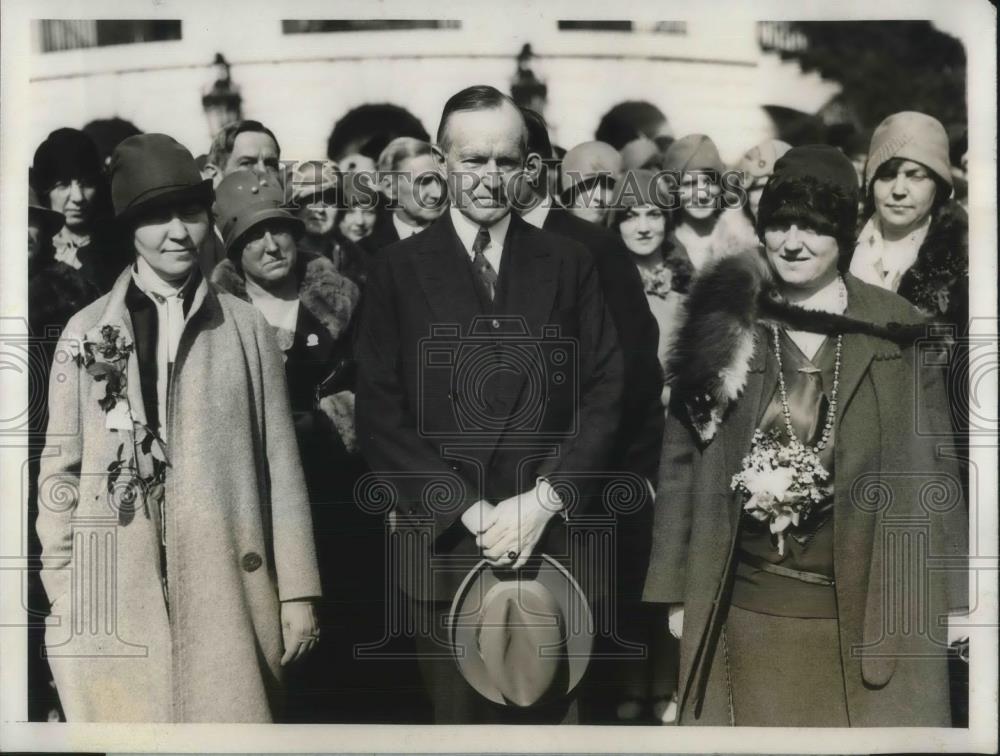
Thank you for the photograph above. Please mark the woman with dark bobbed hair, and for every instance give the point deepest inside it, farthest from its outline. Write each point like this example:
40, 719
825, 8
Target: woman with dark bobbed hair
787, 480
67, 174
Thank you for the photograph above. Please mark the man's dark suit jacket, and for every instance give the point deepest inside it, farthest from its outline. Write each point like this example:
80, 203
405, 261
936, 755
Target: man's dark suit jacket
640, 434
444, 427
383, 232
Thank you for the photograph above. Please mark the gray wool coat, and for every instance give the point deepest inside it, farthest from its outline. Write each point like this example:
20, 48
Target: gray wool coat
900, 519
238, 529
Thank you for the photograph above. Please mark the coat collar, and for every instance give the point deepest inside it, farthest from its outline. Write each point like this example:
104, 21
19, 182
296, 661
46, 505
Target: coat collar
116, 313
327, 294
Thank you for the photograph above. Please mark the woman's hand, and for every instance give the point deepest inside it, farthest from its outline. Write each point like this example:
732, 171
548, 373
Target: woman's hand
299, 629
675, 619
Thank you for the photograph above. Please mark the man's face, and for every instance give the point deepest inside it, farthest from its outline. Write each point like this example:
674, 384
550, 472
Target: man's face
482, 154
254, 151
420, 189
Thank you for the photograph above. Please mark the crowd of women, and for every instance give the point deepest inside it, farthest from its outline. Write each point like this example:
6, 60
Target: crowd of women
788, 329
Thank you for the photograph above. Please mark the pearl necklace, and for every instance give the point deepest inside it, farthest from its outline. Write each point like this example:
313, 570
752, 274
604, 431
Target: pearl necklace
831, 415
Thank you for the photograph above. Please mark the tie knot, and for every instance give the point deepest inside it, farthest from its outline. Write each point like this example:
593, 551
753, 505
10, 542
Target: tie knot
482, 240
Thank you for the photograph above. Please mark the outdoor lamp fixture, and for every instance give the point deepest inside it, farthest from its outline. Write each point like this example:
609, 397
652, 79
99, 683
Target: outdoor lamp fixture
221, 101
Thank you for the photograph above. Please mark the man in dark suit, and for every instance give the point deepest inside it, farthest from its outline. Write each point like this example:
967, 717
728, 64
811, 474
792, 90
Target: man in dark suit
490, 383
410, 182
640, 433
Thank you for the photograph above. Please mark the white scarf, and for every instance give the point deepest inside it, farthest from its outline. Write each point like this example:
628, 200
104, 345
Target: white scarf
883, 264
281, 314
66, 245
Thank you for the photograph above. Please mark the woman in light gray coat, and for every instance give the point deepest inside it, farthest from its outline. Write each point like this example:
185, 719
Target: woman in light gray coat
176, 535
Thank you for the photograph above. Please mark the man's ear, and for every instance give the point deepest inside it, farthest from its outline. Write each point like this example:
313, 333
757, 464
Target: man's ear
385, 186
439, 156
533, 168
212, 171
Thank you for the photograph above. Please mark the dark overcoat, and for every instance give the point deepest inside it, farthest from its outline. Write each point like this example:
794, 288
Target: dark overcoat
460, 399
900, 525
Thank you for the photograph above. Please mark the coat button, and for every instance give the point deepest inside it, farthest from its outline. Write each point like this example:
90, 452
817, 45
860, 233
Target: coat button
495, 323
252, 561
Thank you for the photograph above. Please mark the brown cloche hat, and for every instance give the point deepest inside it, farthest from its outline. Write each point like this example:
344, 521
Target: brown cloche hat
521, 638
244, 199
148, 170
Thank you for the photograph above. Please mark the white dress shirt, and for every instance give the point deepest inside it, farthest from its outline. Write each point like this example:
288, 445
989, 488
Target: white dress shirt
467, 230
536, 216
405, 230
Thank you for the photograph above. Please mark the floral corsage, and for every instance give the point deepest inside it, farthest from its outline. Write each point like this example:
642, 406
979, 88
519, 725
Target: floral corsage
104, 354
781, 483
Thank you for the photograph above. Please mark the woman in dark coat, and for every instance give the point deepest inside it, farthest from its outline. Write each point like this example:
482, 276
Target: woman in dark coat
915, 241
788, 483
67, 174
55, 292
310, 305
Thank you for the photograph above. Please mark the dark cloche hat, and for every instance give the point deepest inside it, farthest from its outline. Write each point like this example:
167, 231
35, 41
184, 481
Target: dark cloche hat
149, 170
65, 154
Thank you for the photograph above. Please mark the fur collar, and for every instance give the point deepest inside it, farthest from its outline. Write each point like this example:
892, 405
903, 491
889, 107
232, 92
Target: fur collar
717, 339
329, 296
938, 281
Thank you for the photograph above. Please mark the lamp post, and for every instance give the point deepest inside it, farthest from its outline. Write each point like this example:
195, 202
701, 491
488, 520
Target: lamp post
221, 100
527, 90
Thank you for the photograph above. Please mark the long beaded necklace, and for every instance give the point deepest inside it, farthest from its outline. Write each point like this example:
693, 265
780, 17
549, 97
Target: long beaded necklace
831, 415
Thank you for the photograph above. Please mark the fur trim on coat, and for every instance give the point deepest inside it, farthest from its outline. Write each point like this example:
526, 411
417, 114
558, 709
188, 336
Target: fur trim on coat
332, 299
718, 334
938, 282
330, 296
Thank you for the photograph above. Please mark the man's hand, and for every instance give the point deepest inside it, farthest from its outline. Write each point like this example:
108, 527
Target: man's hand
479, 517
299, 629
518, 525
675, 619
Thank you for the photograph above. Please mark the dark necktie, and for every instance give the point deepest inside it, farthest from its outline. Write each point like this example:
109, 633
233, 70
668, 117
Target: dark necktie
482, 266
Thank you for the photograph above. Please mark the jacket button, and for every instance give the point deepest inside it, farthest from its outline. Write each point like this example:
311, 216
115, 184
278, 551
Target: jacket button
495, 323
252, 561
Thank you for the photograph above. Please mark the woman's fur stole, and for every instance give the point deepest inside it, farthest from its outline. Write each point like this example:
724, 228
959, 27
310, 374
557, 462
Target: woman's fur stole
708, 366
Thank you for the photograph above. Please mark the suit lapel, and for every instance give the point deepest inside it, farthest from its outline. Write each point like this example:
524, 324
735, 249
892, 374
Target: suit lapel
527, 283
444, 274
858, 349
